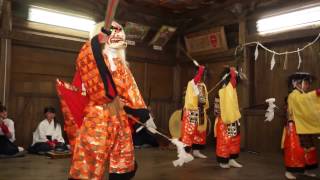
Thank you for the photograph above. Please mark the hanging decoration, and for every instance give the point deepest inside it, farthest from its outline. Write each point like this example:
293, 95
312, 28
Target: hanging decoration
300, 60
256, 53
258, 44
273, 61
270, 110
285, 64
183, 156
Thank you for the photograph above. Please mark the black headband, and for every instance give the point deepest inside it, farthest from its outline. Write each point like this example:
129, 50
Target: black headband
105, 31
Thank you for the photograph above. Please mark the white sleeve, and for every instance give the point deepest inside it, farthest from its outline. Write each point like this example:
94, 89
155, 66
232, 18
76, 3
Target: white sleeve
42, 134
58, 134
10, 125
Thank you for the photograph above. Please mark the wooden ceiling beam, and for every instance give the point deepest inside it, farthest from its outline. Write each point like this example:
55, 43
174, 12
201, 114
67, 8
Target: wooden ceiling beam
49, 41
122, 16
252, 10
160, 13
222, 18
211, 9
138, 16
142, 7
73, 45
215, 15
216, 57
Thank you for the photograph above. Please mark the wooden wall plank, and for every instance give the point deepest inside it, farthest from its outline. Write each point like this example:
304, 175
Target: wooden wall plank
274, 83
161, 84
33, 75
138, 71
35, 69
162, 111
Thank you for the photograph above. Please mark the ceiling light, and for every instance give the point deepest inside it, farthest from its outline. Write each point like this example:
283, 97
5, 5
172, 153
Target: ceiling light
289, 21
52, 17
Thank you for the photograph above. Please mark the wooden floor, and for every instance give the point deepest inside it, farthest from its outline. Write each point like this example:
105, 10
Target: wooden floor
154, 164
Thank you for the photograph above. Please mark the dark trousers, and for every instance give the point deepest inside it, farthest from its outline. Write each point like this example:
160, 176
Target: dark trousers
7, 147
43, 147
124, 176
143, 137
40, 147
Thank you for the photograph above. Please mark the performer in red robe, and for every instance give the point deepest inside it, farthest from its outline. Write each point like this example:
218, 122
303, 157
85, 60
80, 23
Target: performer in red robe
97, 107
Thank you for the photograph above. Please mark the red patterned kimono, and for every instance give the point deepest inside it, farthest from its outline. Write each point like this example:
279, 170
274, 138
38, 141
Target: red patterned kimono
104, 134
296, 157
228, 143
191, 136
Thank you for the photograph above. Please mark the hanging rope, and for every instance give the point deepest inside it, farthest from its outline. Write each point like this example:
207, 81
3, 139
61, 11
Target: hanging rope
274, 52
256, 56
273, 62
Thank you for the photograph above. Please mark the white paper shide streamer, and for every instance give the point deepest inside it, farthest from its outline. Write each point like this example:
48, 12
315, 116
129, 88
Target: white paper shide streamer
183, 156
270, 110
150, 125
195, 63
285, 64
286, 53
273, 61
300, 60
256, 53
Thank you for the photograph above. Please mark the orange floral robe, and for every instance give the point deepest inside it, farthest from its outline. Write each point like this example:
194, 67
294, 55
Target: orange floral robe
105, 134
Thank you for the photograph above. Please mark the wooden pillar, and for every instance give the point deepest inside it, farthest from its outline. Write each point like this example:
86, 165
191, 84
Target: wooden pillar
5, 55
244, 66
146, 86
176, 85
1, 5
244, 87
177, 90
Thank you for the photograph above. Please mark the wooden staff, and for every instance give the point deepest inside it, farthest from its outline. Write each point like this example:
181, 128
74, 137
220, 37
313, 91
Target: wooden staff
110, 12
